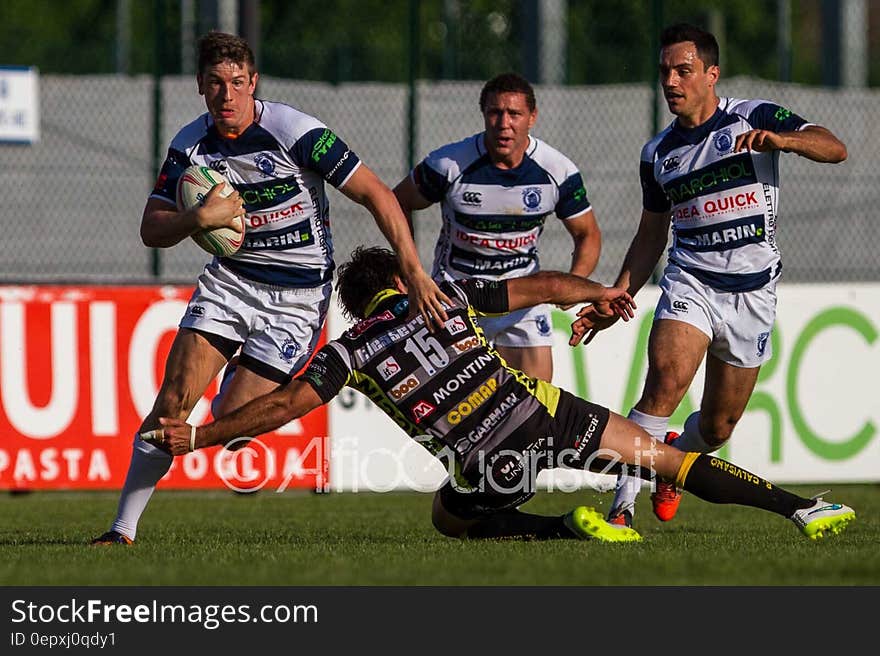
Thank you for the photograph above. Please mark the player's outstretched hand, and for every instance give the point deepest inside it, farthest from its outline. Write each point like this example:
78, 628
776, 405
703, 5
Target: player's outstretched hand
616, 303
425, 298
587, 326
760, 141
174, 436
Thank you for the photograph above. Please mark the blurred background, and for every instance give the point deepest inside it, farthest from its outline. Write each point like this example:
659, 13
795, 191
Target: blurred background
397, 79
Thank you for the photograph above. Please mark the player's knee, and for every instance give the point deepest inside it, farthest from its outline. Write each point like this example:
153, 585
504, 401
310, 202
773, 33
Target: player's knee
716, 430
662, 395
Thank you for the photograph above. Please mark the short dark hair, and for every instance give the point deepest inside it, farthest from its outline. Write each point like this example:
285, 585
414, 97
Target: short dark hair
218, 47
707, 46
507, 83
368, 272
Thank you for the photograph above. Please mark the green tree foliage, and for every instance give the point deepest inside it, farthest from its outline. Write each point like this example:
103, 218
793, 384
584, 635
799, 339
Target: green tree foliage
334, 41
609, 42
58, 37
362, 40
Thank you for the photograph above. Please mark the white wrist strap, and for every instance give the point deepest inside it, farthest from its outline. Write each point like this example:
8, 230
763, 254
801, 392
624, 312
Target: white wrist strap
192, 439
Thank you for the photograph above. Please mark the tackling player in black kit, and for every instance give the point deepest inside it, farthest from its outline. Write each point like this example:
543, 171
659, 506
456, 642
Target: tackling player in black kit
495, 427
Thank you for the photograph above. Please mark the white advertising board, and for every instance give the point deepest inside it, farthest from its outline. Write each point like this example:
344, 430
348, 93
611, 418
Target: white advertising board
19, 105
813, 417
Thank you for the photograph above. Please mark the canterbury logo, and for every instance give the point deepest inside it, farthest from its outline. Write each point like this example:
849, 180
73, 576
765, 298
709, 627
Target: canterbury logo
670, 164
471, 198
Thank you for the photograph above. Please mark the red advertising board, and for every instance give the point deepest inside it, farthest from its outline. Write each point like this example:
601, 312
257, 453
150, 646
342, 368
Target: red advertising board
80, 366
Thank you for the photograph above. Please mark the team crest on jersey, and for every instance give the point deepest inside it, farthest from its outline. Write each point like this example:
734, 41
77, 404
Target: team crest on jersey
531, 198
421, 410
219, 165
543, 325
723, 141
762, 343
265, 164
388, 368
288, 350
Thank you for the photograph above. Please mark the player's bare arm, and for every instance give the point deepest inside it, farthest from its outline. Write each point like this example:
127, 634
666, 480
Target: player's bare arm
410, 199
587, 241
262, 415
163, 225
425, 297
644, 252
565, 289
813, 142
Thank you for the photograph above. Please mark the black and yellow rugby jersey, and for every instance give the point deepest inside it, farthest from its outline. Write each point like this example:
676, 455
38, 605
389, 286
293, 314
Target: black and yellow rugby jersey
449, 390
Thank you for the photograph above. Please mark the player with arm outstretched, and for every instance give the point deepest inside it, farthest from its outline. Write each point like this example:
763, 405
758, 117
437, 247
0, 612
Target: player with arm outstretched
493, 426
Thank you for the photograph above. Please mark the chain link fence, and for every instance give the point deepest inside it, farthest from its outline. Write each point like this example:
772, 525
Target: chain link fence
73, 201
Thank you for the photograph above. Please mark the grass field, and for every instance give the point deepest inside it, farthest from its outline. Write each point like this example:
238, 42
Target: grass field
218, 538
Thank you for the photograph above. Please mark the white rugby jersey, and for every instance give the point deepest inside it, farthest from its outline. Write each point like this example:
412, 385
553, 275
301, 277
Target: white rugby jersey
492, 217
278, 165
724, 204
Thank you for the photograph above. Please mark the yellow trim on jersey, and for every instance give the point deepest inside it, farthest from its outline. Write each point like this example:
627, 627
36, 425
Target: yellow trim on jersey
378, 298
686, 465
546, 393
366, 385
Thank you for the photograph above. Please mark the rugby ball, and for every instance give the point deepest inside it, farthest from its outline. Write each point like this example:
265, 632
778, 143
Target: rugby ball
192, 187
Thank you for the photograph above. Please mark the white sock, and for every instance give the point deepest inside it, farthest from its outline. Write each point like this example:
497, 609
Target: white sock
628, 486
691, 439
148, 464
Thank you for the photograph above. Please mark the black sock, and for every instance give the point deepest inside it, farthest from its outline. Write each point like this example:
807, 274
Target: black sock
718, 481
513, 523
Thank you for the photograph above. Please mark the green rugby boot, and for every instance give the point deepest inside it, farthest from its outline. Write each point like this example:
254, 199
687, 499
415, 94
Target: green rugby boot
588, 524
822, 518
